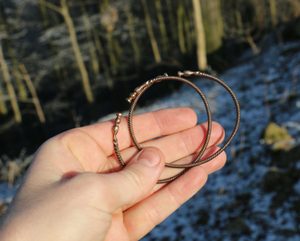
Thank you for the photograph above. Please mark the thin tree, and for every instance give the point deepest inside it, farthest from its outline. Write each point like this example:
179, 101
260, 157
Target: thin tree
188, 26
171, 19
109, 17
150, 31
88, 30
43, 10
213, 24
32, 90
104, 61
63, 9
180, 27
3, 108
273, 12
200, 35
9, 86
22, 93
162, 25
260, 14
132, 34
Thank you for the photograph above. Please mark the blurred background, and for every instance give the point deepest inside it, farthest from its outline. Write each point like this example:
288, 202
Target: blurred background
68, 63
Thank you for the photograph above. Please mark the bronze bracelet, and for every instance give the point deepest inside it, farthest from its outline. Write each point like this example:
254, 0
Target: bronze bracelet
138, 92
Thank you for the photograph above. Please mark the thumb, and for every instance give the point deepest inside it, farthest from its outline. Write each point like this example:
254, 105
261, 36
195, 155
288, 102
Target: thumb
131, 184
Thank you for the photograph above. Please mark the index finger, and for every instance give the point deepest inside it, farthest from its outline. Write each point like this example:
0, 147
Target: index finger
146, 126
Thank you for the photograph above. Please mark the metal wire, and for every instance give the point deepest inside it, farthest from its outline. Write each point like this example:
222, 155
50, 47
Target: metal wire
138, 92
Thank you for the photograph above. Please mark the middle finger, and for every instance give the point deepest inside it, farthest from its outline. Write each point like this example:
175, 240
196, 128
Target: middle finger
175, 146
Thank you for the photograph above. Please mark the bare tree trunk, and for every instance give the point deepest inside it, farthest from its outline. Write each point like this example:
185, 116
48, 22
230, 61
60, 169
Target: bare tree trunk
180, 26
109, 17
111, 53
188, 28
132, 35
162, 25
32, 90
295, 5
22, 93
260, 14
250, 41
200, 35
93, 53
78, 55
100, 50
10, 89
273, 12
104, 61
43, 9
213, 24
3, 108
150, 31
171, 19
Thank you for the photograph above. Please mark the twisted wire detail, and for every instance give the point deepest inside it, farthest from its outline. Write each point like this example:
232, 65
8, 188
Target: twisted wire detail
138, 92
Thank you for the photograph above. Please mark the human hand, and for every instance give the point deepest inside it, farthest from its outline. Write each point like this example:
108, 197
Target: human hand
74, 189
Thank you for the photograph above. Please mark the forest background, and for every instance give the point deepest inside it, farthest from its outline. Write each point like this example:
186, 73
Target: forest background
68, 63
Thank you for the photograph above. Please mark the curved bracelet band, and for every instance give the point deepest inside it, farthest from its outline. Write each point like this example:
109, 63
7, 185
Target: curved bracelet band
138, 92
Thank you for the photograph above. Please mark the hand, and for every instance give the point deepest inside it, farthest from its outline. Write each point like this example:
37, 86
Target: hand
74, 189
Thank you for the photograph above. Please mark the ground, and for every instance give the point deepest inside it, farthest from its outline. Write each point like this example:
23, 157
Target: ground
256, 195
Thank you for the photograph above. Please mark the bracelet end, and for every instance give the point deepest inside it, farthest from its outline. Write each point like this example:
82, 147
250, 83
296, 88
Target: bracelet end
188, 73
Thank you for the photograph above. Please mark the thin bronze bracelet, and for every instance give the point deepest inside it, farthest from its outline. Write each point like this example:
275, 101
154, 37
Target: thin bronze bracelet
138, 92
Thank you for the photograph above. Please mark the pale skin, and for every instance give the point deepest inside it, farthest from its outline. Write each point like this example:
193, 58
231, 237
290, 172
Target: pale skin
75, 190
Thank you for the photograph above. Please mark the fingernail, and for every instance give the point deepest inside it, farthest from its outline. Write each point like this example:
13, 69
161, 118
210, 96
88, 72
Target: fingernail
149, 158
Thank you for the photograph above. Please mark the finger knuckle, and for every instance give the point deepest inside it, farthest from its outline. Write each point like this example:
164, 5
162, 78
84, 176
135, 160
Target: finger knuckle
67, 137
174, 196
189, 141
